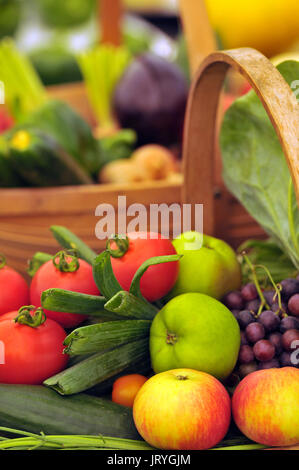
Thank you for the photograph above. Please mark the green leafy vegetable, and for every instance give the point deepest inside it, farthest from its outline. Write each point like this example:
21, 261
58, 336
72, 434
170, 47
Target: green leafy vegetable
102, 67
255, 169
266, 253
119, 145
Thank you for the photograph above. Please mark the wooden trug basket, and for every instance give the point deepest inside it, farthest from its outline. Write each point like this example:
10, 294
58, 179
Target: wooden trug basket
26, 214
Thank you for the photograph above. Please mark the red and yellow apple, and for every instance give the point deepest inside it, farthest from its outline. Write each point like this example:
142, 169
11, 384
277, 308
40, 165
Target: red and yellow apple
266, 406
182, 409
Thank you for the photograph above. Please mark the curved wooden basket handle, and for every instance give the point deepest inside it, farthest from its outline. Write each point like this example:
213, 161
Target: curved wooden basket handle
200, 131
110, 15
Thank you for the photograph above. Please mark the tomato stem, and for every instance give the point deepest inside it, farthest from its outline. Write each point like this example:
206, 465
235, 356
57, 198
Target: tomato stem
67, 261
2, 260
121, 243
34, 320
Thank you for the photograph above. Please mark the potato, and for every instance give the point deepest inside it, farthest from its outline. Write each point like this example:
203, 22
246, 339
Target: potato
155, 161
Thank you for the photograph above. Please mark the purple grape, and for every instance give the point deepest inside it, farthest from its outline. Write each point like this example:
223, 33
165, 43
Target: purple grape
244, 340
234, 300
255, 332
276, 340
269, 296
272, 364
289, 288
253, 305
235, 312
264, 350
289, 323
269, 320
246, 355
290, 340
277, 309
293, 305
245, 318
249, 292
285, 359
246, 369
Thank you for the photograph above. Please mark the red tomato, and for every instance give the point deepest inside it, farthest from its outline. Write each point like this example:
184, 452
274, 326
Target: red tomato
30, 355
158, 280
14, 292
48, 276
126, 388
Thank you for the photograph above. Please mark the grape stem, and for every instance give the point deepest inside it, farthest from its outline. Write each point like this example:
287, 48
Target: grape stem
277, 287
256, 283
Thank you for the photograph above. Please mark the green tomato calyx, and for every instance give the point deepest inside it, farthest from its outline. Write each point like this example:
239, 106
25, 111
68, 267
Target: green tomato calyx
122, 244
35, 319
67, 261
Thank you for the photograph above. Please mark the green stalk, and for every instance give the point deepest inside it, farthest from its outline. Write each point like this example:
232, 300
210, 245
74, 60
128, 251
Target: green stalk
96, 338
242, 447
24, 89
135, 285
37, 261
61, 300
97, 368
102, 67
104, 276
125, 304
41, 441
69, 240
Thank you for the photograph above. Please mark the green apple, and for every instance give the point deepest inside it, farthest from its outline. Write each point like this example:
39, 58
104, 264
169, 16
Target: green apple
195, 331
209, 266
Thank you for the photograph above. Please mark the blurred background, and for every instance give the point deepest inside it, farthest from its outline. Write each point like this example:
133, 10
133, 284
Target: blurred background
95, 92
125, 67
52, 32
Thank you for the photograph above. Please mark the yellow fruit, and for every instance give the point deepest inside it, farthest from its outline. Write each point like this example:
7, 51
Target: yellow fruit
270, 26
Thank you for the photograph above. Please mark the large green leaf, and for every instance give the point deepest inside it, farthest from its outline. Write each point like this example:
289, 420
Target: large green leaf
255, 169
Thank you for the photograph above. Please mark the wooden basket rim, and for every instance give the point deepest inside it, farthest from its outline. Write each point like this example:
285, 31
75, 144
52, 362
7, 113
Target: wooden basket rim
201, 122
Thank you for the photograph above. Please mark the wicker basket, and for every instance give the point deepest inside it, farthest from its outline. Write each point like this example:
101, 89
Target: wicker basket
26, 214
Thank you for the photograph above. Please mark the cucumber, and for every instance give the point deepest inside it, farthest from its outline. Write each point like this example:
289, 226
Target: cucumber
95, 338
98, 367
41, 161
69, 240
35, 408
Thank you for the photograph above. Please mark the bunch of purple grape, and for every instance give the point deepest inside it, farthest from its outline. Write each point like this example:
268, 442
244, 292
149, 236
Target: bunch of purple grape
269, 335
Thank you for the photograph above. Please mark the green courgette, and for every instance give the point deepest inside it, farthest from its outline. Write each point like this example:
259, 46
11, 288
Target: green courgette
38, 409
41, 161
61, 300
95, 338
98, 367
